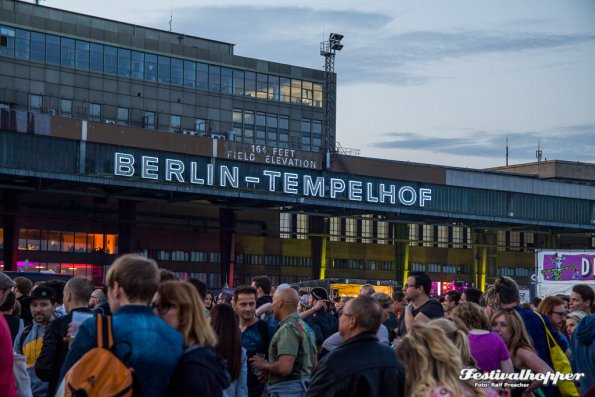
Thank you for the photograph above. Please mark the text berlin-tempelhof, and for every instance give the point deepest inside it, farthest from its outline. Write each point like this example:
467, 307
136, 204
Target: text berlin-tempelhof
173, 170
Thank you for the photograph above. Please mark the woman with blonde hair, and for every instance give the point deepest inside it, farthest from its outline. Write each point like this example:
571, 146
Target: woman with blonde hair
433, 365
456, 331
200, 371
510, 326
487, 348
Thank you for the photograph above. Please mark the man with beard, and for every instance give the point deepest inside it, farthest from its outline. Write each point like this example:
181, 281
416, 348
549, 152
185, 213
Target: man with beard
255, 333
30, 340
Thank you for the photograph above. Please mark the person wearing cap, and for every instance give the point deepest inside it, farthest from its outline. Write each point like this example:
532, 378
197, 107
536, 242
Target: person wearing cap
322, 323
30, 340
7, 383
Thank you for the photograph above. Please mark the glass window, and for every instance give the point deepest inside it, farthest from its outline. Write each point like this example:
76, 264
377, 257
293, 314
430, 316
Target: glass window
238, 82
318, 93
189, 74
260, 119
122, 116
226, 81
200, 125
95, 111
283, 122
307, 93
82, 55
164, 69
316, 127
53, 241
237, 116
248, 117
306, 125
52, 49
123, 62
67, 242
250, 84
22, 45
177, 71
35, 102
175, 123
110, 60
262, 89
137, 64
67, 51
202, 76
6, 41
285, 89
274, 88
37, 47
150, 67
66, 107
149, 120
214, 78
96, 54
22, 239
296, 91
80, 242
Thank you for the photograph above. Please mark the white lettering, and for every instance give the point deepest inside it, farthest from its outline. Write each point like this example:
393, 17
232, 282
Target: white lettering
290, 183
424, 195
355, 190
149, 167
313, 188
272, 175
174, 167
194, 174
412, 193
123, 164
210, 172
391, 193
233, 177
337, 186
370, 193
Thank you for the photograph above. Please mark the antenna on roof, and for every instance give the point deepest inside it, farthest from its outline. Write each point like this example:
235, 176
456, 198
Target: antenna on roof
538, 152
171, 14
507, 151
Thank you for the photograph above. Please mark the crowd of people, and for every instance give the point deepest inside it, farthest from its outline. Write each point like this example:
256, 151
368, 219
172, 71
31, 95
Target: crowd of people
181, 340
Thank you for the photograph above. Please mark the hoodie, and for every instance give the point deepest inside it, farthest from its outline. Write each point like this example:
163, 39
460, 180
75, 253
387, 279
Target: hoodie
583, 356
30, 346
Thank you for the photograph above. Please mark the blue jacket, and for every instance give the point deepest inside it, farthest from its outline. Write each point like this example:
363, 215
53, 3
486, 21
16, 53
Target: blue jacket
583, 352
142, 341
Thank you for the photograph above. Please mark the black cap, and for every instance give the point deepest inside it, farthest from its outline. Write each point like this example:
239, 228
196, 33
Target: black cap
319, 294
43, 293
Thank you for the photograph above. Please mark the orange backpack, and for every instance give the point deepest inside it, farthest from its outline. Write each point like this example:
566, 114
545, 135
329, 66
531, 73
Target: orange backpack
100, 372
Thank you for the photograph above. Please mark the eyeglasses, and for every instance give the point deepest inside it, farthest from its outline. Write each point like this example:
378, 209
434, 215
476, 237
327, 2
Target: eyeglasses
409, 285
561, 314
161, 308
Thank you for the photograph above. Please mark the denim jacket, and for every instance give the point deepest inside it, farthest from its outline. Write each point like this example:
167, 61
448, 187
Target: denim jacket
142, 341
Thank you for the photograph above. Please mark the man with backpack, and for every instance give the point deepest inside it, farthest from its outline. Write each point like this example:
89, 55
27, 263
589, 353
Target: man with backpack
30, 340
141, 341
255, 333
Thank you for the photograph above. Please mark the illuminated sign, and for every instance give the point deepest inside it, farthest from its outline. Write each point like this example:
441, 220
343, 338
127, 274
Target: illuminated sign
269, 155
270, 180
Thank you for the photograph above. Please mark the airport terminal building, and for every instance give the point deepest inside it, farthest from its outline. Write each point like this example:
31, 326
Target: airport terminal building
120, 138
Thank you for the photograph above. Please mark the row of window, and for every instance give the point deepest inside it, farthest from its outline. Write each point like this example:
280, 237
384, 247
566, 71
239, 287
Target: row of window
67, 241
95, 273
362, 264
84, 55
439, 268
515, 271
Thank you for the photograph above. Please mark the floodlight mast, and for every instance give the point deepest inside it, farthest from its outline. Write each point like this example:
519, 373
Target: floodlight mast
328, 50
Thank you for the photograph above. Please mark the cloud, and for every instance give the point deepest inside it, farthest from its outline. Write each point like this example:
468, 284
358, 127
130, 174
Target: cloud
572, 143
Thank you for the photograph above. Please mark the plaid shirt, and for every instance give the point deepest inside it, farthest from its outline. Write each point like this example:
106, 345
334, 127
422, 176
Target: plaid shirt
537, 332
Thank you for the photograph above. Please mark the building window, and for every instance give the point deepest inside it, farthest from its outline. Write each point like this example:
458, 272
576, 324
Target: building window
66, 107
284, 225
366, 231
149, 120
175, 123
335, 229
428, 235
35, 102
302, 226
95, 111
350, 230
122, 116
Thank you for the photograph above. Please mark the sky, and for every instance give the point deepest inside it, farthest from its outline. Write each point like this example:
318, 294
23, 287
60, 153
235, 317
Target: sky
426, 81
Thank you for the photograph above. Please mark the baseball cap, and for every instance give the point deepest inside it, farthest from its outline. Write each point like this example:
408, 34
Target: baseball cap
43, 293
319, 293
6, 282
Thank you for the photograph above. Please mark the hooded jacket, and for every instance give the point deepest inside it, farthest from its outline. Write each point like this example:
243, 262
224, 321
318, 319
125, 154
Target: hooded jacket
583, 356
29, 342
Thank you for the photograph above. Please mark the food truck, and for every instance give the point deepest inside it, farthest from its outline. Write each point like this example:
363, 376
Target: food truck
339, 287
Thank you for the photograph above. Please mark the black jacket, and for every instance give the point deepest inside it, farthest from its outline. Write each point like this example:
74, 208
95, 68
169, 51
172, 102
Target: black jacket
360, 366
54, 350
200, 372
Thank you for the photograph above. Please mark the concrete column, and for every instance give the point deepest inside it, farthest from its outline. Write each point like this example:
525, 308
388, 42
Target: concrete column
401, 233
317, 226
126, 226
11, 233
227, 245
